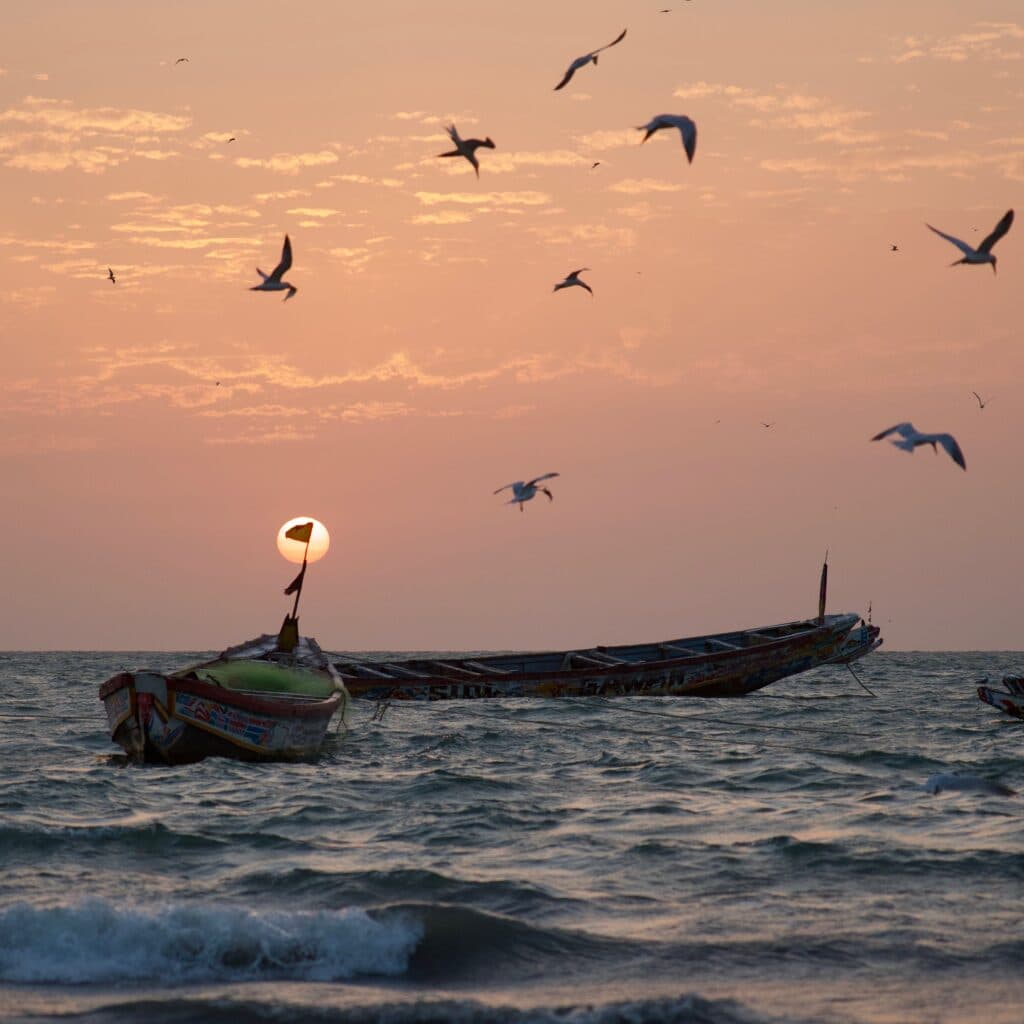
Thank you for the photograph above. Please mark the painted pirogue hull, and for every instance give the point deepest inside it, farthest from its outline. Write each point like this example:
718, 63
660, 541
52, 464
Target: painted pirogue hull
185, 716
861, 641
722, 665
1010, 700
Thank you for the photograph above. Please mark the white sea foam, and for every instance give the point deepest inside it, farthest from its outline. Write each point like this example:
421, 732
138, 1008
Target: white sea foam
96, 941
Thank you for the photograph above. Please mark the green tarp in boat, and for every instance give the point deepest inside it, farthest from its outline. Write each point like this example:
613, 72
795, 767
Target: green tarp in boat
265, 676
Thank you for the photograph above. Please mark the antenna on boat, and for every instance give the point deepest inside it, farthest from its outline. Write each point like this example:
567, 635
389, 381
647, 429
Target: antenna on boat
288, 637
823, 589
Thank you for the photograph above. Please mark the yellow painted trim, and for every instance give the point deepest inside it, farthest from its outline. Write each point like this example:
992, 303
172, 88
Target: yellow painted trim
226, 736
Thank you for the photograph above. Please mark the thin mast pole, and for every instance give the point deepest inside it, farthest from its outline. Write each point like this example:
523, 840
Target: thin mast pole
302, 577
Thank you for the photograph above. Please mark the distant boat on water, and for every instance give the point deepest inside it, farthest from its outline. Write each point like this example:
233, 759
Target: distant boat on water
718, 665
1009, 699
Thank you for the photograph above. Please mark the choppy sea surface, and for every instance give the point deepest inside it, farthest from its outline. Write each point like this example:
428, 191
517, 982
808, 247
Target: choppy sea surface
772, 858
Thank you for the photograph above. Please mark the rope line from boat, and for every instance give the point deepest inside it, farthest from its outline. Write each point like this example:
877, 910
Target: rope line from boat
859, 680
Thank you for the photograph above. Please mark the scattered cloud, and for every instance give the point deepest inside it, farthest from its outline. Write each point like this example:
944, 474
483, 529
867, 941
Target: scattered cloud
365, 412
289, 163
46, 135
444, 217
495, 199
313, 211
360, 179
642, 186
985, 41
506, 163
292, 193
600, 141
784, 109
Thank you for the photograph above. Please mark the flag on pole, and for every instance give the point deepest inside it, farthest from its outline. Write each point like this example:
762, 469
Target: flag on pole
296, 584
302, 533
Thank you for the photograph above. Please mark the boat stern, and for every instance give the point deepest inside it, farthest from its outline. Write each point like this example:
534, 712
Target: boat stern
137, 713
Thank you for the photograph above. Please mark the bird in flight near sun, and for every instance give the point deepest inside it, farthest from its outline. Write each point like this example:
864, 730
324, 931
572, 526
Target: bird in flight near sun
574, 279
910, 438
527, 490
272, 282
983, 253
466, 147
587, 58
687, 129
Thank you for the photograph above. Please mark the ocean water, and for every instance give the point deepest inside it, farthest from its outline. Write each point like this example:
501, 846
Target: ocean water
773, 858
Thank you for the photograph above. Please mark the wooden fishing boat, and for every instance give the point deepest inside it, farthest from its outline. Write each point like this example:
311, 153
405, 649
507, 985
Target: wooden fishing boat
721, 665
862, 640
253, 702
1010, 699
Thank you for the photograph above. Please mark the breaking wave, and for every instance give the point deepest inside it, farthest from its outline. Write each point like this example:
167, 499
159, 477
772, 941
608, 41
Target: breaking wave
95, 942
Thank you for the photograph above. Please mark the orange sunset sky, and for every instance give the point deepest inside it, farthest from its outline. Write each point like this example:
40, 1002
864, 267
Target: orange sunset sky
425, 360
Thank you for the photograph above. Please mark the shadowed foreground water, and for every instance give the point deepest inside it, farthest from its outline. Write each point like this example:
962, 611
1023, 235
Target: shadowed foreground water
770, 858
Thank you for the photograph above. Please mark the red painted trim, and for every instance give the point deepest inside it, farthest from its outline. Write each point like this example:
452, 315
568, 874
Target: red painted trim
122, 679
271, 708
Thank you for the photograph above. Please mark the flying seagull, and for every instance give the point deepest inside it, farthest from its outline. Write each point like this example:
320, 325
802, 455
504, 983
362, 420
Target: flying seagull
526, 491
181, 60
272, 282
981, 404
766, 425
574, 279
466, 147
910, 438
110, 276
587, 58
983, 254
687, 129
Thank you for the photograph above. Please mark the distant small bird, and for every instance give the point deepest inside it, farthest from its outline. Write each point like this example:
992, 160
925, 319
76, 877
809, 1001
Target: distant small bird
466, 147
272, 282
596, 163
110, 276
232, 139
981, 404
587, 58
763, 424
525, 491
894, 248
181, 60
687, 129
217, 384
910, 438
983, 254
574, 279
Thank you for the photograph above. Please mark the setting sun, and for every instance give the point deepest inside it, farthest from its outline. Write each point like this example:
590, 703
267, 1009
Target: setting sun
293, 550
